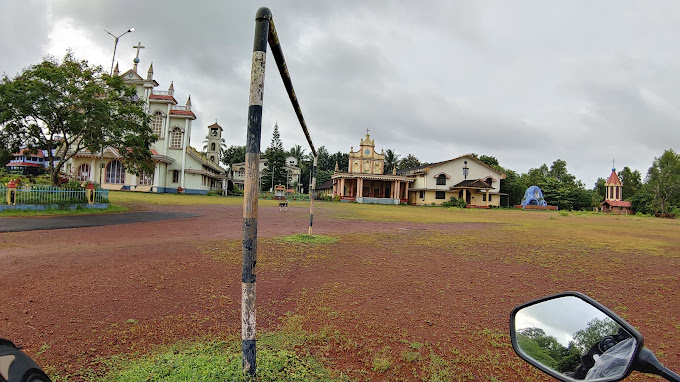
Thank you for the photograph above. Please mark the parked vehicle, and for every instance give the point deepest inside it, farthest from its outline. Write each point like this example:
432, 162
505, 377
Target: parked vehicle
572, 337
16, 366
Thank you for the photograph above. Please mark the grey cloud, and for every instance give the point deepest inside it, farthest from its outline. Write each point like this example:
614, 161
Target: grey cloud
528, 82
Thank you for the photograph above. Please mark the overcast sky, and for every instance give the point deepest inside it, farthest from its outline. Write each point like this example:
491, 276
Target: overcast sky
525, 81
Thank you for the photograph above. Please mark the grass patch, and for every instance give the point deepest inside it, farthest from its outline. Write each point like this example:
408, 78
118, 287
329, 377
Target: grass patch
277, 360
111, 209
309, 239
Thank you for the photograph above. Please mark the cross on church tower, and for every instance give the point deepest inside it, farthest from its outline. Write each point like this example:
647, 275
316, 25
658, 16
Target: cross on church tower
613, 166
367, 130
136, 60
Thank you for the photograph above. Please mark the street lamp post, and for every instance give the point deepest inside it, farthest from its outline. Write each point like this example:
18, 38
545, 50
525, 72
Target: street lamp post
273, 172
115, 45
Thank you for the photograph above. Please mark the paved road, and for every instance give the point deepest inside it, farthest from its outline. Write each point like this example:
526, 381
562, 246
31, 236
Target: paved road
12, 224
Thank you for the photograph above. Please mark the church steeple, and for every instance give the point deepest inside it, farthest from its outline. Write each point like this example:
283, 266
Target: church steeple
189, 104
613, 187
149, 74
115, 70
171, 89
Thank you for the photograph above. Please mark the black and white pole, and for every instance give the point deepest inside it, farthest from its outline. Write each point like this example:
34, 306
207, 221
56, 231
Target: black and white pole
265, 32
251, 193
312, 195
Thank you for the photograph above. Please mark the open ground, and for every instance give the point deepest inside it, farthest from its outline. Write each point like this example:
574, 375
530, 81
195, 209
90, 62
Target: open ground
401, 293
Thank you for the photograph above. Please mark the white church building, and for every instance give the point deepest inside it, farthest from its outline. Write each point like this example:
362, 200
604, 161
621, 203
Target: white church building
179, 167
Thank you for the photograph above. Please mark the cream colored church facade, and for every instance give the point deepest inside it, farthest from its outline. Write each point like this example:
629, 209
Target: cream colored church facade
179, 167
465, 177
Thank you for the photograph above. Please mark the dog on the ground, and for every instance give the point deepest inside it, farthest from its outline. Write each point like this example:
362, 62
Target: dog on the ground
283, 206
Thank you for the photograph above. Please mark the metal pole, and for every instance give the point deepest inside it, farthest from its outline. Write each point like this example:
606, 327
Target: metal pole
115, 45
312, 190
287, 82
254, 134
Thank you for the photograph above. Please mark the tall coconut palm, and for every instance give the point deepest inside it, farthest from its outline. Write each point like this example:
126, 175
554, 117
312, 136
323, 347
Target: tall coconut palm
298, 153
223, 144
391, 160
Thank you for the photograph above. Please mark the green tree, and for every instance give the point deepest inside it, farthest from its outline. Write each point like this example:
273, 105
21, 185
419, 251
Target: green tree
570, 359
409, 161
489, 160
595, 330
234, 154
663, 179
643, 200
513, 186
342, 159
558, 170
276, 162
540, 346
600, 187
70, 106
297, 152
5, 156
631, 182
323, 176
391, 160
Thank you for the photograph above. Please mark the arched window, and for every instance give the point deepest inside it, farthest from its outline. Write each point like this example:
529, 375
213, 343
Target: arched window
441, 180
83, 172
157, 124
115, 172
212, 146
176, 138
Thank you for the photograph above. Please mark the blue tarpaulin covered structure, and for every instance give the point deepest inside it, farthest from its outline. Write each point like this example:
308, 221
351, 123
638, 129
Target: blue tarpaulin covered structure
533, 196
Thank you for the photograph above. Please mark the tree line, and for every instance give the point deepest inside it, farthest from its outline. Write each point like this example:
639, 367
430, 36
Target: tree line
659, 192
69, 106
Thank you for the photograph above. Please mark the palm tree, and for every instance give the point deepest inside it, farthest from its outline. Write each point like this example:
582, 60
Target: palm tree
391, 160
298, 153
223, 144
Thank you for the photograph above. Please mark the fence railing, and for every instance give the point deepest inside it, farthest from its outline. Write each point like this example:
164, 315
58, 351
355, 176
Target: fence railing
37, 194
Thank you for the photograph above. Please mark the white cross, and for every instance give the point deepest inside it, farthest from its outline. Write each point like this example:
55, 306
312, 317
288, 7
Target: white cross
139, 46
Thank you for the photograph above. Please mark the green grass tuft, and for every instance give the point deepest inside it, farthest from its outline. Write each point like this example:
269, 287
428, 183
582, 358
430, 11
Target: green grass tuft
111, 209
309, 239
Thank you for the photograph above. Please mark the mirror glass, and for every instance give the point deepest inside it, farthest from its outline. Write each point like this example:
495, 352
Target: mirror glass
574, 339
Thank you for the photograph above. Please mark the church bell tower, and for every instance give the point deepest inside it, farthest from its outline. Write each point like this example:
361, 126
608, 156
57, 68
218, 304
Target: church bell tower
214, 150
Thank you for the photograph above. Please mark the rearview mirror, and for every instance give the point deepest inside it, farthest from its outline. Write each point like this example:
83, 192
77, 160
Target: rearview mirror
573, 337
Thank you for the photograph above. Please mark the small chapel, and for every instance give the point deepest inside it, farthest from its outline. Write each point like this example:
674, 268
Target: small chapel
613, 201
179, 167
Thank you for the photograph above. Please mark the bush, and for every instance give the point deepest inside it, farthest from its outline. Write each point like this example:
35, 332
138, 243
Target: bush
455, 202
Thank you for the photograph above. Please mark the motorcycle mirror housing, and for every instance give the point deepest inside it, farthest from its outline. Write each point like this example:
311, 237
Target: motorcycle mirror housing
572, 337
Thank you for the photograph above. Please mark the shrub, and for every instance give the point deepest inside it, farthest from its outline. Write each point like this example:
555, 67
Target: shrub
455, 202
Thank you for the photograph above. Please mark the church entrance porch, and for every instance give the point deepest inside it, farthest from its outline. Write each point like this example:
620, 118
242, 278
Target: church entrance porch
371, 190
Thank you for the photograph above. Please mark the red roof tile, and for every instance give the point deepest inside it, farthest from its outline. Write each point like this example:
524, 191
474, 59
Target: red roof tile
183, 112
163, 97
24, 164
37, 153
617, 203
614, 179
